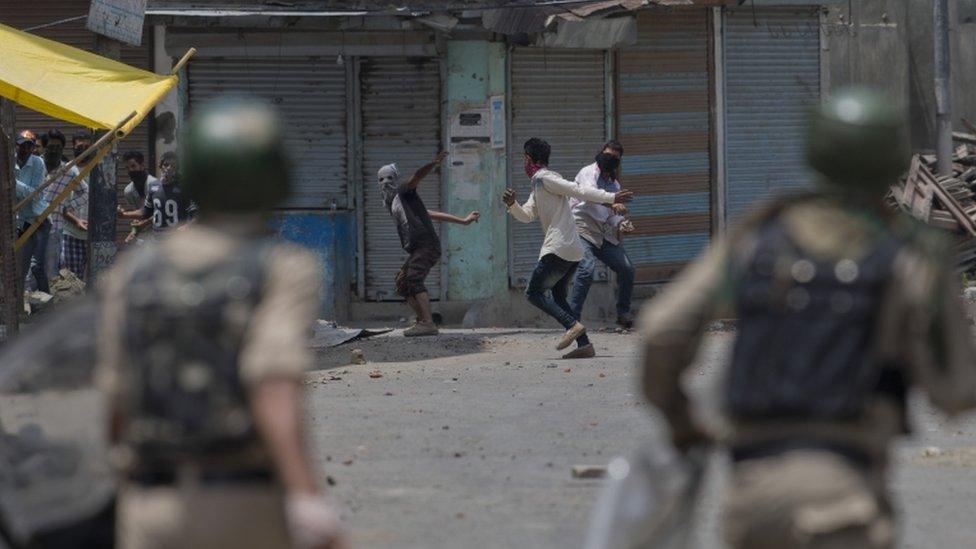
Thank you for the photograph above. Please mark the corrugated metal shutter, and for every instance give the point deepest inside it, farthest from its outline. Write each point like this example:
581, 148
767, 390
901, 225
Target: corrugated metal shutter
310, 94
22, 15
401, 122
557, 95
772, 79
663, 124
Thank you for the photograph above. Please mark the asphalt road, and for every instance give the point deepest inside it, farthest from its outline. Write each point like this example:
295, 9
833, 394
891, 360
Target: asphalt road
468, 440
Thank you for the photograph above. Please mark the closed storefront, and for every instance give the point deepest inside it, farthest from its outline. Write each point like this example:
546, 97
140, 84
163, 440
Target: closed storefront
663, 125
310, 95
558, 95
772, 80
401, 122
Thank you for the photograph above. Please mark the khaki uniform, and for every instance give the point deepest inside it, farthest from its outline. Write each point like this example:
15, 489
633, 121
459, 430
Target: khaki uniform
191, 513
809, 497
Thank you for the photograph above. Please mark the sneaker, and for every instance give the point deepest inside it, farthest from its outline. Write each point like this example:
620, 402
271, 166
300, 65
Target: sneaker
572, 333
625, 321
586, 351
421, 329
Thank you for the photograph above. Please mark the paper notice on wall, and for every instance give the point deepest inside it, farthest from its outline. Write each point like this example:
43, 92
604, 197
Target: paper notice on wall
118, 19
497, 107
466, 170
471, 123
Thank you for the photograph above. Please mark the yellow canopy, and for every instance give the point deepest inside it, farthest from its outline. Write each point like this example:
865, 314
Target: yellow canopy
74, 85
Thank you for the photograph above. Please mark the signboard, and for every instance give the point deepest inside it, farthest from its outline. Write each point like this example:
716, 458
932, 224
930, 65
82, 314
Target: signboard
118, 19
497, 107
470, 123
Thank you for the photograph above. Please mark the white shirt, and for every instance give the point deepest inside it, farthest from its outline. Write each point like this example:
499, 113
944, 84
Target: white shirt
596, 222
549, 202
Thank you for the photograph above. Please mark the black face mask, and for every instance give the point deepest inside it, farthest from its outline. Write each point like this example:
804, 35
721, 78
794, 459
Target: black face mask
79, 151
138, 176
609, 164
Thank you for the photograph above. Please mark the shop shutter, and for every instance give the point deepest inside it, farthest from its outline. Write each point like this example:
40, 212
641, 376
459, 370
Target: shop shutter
24, 15
663, 125
401, 123
310, 95
558, 95
772, 80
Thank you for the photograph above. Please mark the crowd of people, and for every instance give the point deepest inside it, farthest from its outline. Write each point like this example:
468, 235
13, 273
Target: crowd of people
61, 239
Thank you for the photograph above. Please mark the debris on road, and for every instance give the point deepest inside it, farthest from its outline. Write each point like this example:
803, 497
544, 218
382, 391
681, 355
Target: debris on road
931, 451
357, 356
589, 471
375, 374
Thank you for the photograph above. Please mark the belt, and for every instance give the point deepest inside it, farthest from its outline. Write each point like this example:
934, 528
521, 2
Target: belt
772, 448
170, 477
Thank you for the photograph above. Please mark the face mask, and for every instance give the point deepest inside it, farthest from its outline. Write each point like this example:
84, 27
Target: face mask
531, 167
79, 151
52, 157
387, 177
609, 164
139, 176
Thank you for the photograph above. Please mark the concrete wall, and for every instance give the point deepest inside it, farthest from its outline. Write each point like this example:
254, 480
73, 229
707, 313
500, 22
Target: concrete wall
476, 255
332, 238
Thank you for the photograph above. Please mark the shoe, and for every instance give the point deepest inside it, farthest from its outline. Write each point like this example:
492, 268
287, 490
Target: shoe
587, 351
572, 333
625, 321
421, 329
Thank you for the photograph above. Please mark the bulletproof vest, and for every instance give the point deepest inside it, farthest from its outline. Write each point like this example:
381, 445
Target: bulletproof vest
805, 346
184, 330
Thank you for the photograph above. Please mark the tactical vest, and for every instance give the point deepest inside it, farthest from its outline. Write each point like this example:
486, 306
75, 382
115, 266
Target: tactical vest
183, 334
805, 347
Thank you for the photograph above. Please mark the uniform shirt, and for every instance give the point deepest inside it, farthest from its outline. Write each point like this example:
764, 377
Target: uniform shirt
77, 204
412, 220
596, 222
167, 205
55, 190
29, 178
277, 343
921, 324
549, 202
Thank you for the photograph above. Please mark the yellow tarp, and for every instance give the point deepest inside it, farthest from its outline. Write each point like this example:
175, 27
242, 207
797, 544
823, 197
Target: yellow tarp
74, 85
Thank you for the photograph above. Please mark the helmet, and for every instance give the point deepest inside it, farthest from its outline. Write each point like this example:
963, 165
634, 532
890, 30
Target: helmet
233, 157
859, 139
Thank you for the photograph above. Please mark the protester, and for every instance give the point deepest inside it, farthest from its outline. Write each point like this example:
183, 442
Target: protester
417, 237
166, 204
202, 354
842, 308
561, 249
74, 250
54, 143
598, 226
135, 191
29, 173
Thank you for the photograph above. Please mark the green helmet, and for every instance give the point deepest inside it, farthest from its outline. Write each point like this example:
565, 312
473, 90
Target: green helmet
858, 139
234, 159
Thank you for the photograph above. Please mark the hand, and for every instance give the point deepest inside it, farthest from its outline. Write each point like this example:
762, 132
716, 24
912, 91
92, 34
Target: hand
120, 211
508, 197
619, 209
626, 226
313, 521
141, 222
623, 196
82, 224
472, 218
130, 237
440, 157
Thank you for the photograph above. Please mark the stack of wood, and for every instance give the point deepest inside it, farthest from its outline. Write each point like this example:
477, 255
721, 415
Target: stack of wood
946, 202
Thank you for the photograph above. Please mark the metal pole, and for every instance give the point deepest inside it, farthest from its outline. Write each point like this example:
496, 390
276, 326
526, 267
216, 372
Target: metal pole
12, 296
943, 99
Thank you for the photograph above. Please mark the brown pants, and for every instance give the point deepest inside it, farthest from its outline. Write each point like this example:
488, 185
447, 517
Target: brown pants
805, 499
196, 517
410, 280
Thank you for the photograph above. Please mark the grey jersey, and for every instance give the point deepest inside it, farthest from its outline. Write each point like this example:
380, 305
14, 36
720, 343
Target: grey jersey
134, 197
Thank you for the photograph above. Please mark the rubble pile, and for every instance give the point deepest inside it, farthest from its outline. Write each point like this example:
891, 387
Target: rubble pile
945, 202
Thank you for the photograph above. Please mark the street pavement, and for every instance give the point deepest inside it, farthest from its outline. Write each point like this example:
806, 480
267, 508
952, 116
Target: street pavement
467, 440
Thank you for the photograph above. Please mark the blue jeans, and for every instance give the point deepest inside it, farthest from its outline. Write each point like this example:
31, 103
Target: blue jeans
36, 248
548, 288
614, 257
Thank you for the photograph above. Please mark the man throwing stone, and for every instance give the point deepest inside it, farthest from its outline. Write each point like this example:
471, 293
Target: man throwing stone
561, 249
415, 226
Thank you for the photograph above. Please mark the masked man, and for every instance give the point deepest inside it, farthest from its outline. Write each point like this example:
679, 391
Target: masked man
598, 226
414, 223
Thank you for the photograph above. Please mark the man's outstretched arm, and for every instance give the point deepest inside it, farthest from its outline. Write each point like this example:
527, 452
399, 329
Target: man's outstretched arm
448, 218
414, 181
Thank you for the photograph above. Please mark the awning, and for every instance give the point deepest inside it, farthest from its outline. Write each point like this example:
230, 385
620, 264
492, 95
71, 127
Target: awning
74, 85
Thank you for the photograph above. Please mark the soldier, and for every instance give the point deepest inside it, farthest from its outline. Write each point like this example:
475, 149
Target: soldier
202, 353
842, 307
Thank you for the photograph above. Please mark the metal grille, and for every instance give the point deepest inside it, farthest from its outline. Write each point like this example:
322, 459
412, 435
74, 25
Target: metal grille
663, 124
310, 95
772, 80
401, 122
21, 15
560, 96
